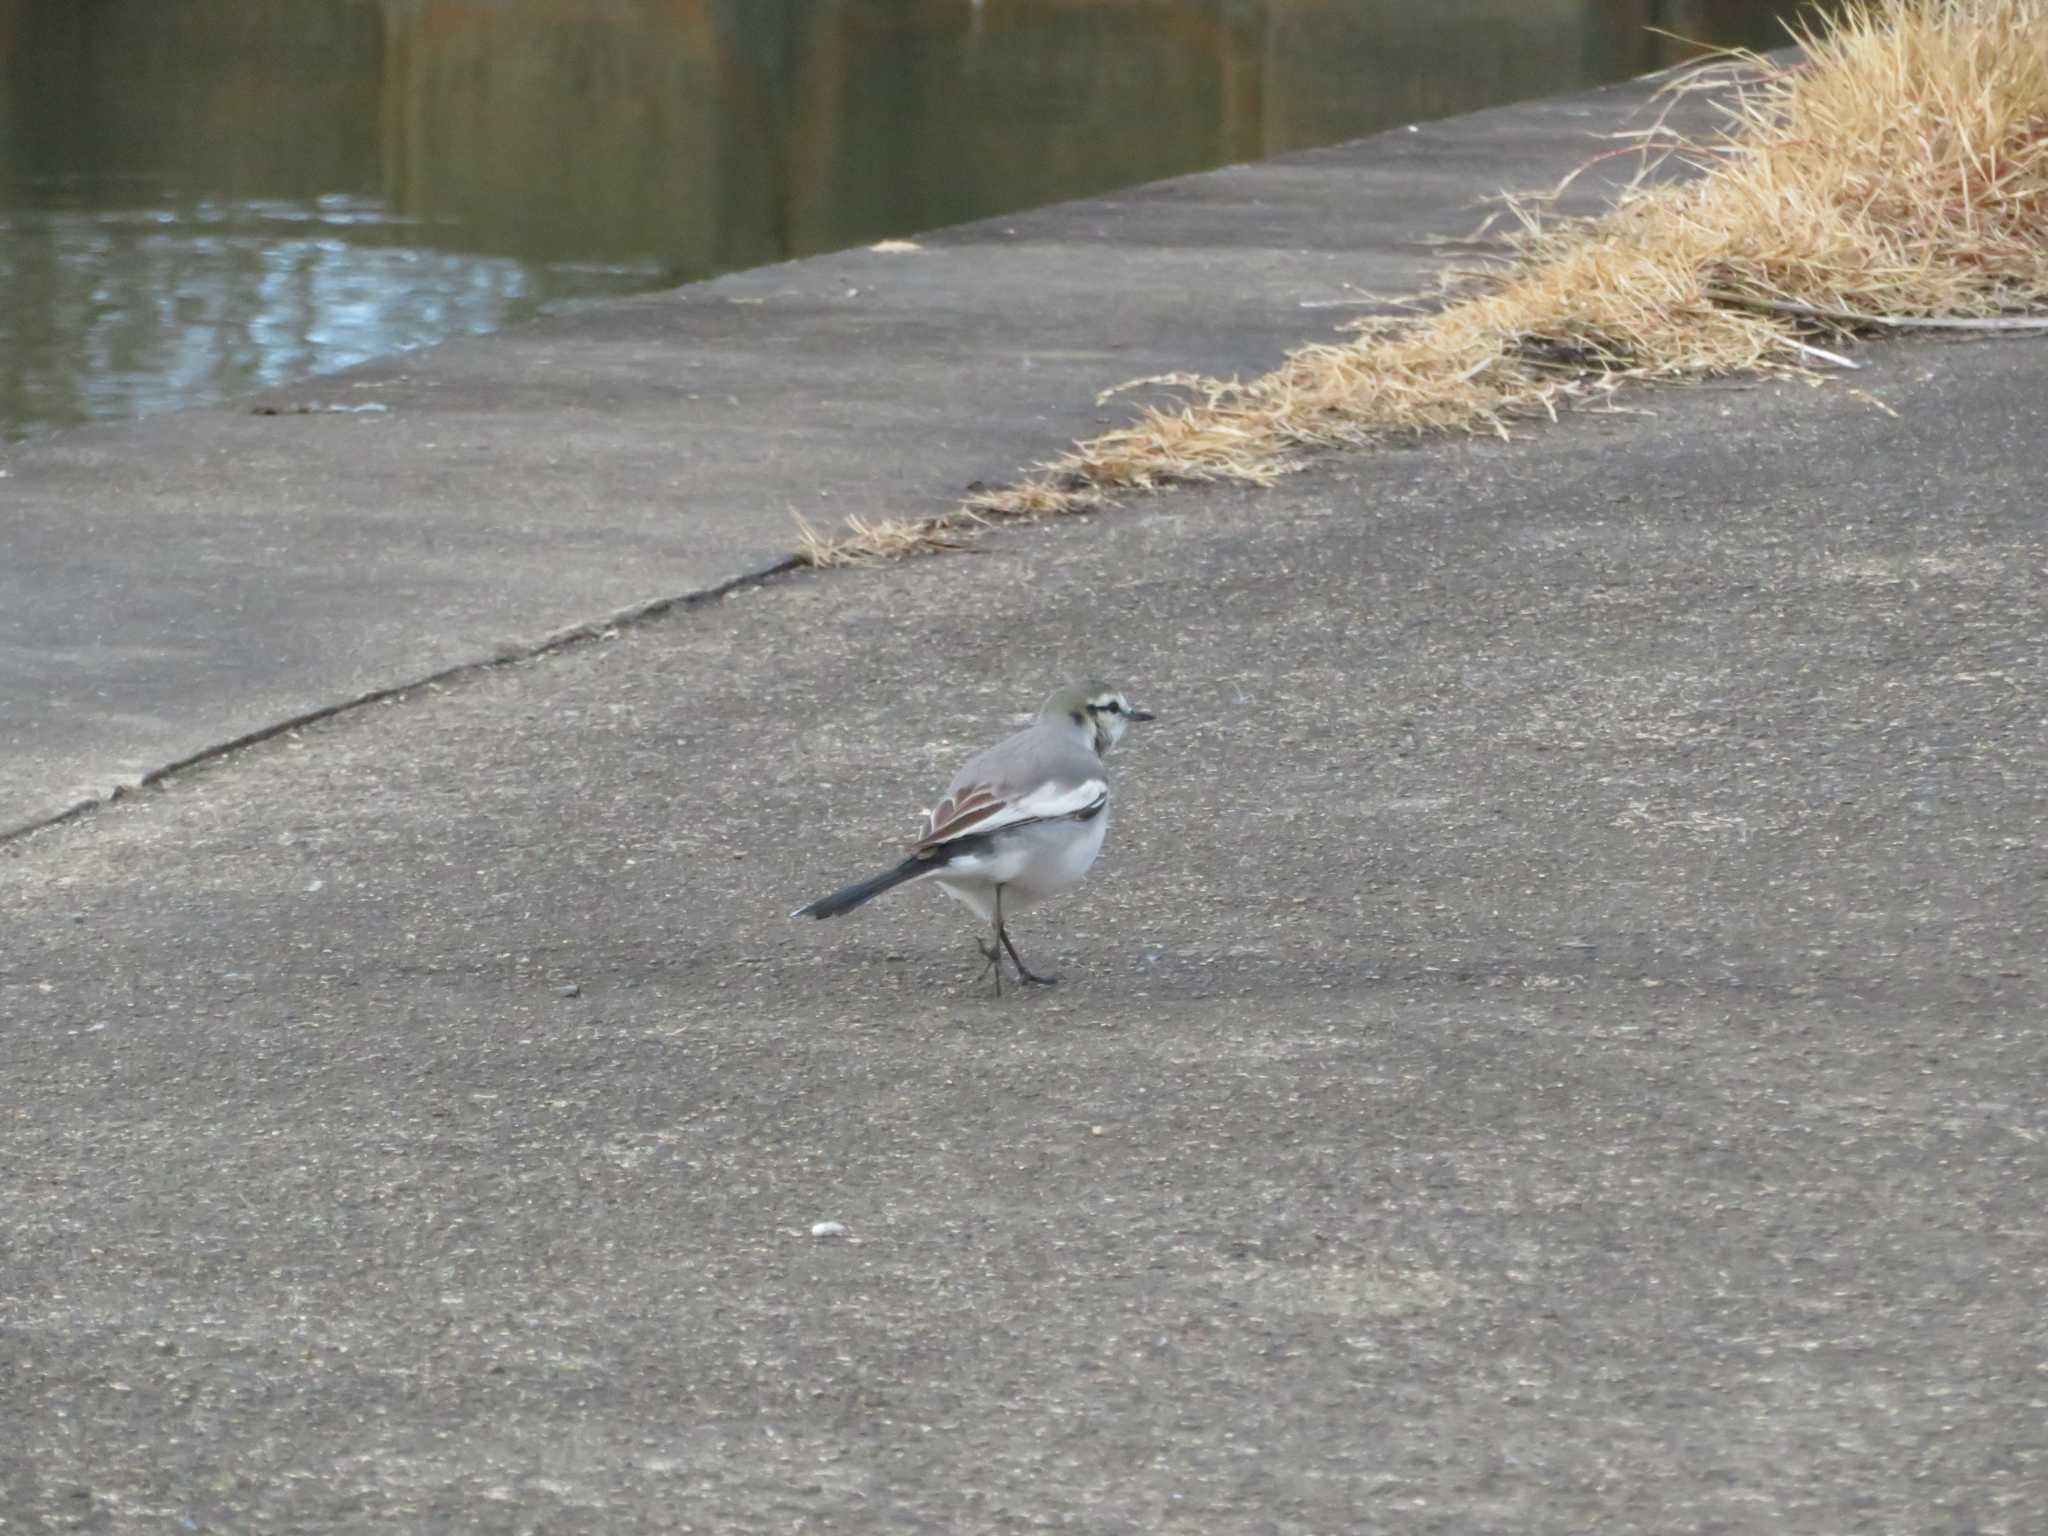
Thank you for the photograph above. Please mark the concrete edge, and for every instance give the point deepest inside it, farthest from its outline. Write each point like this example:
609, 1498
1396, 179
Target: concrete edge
508, 654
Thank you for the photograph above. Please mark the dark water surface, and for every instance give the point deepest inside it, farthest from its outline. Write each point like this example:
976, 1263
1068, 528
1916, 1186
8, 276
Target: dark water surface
202, 196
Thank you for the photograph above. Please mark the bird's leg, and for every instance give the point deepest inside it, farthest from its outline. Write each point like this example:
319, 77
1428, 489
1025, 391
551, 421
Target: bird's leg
992, 951
1022, 970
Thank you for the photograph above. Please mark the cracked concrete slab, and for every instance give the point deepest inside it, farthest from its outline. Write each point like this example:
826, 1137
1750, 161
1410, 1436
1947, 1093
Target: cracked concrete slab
1553, 1044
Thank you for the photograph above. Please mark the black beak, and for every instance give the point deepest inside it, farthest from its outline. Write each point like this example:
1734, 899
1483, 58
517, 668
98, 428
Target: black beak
1142, 714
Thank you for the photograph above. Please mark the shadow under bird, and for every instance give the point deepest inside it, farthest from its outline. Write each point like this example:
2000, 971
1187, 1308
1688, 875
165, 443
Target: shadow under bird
1019, 822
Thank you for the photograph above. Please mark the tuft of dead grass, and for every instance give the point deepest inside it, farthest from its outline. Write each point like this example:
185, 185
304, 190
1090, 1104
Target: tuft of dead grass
1894, 176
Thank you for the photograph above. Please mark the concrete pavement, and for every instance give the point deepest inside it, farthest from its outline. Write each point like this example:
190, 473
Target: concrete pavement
1554, 1044
173, 585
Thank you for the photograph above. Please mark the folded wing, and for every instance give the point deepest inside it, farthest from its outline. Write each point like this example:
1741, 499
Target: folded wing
973, 810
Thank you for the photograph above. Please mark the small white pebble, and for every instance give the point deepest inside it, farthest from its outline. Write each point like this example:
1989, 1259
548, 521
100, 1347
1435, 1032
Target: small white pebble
828, 1229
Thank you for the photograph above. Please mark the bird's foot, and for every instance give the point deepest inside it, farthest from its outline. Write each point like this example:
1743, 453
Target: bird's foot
1023, 970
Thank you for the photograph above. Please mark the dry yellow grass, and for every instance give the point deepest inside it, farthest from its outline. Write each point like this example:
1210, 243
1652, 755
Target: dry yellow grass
1897, 175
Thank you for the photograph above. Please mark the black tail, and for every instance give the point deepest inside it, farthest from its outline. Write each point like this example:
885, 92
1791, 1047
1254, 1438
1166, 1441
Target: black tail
866, 890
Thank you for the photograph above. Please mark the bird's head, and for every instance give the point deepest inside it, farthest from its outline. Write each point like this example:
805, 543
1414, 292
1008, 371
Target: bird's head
1101, 711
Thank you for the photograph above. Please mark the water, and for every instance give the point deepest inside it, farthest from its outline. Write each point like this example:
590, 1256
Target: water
198, 197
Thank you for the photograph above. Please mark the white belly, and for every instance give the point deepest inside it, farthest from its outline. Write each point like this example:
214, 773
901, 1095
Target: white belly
1030, 865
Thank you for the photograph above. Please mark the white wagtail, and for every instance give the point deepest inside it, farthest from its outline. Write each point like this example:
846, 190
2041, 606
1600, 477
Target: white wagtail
1022, 820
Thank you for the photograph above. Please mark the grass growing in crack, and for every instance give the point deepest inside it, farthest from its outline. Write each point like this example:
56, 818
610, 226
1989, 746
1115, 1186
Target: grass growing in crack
1895, 176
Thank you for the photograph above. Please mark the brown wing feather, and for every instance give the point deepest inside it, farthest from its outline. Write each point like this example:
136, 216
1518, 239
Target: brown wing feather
959, 813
